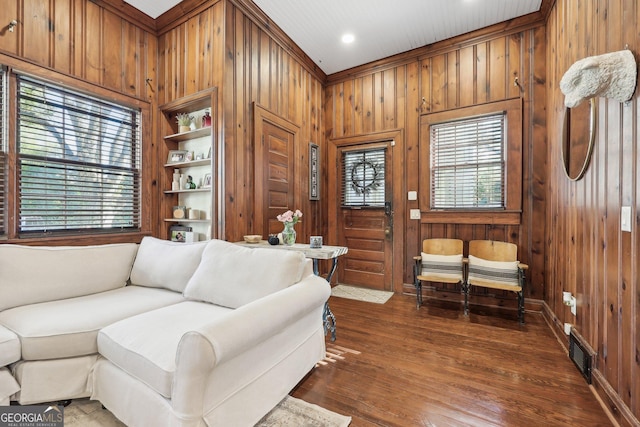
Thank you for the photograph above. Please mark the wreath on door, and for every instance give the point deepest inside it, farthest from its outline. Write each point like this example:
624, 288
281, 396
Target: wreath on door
365, 176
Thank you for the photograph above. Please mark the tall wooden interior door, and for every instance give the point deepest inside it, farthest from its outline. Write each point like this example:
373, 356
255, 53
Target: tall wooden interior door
365, 219
275, 140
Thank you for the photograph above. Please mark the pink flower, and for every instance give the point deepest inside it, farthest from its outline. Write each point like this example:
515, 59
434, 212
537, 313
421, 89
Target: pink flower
290, 216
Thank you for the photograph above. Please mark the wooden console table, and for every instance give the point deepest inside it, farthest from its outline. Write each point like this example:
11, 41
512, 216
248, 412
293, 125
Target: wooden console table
325, 252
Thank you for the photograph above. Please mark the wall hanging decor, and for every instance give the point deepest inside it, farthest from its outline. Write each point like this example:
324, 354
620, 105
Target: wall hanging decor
611, 75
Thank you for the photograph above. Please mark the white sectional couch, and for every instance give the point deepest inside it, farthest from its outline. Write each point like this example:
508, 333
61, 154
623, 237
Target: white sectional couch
162, 333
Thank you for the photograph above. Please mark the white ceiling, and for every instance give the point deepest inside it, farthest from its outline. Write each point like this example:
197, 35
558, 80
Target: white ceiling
381, 28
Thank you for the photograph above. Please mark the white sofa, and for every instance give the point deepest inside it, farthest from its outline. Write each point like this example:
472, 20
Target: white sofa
161, 333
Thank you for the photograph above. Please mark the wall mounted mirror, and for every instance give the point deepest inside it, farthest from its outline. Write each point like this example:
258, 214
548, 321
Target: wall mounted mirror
578, 136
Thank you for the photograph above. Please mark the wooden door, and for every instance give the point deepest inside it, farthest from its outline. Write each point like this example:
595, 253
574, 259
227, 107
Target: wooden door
274, 171
365, 220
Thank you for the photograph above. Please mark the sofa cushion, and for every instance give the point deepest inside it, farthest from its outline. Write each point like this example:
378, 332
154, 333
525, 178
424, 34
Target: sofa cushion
232, 275
145, 345
30, 274
9, 347
165, 264
68, 328
8, 386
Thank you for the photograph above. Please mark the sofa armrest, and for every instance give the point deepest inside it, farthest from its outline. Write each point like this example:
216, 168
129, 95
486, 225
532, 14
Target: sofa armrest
202, 349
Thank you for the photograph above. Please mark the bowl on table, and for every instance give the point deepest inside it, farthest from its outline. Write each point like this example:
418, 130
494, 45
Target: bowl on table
253, 238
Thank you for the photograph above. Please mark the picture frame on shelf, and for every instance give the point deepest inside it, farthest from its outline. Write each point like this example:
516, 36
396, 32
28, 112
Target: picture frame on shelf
179, 212
206, 181
177, 156
177, 233
314, 171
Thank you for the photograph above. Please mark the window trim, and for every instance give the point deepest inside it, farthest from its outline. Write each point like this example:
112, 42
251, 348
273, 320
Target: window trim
510, 214
148, 217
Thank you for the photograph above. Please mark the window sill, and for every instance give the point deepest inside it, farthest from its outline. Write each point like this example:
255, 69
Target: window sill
471, 217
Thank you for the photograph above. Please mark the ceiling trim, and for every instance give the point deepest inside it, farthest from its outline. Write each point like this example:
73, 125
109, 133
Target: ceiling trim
128, 13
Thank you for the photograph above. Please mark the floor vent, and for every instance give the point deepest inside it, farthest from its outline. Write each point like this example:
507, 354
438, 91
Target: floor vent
582, 355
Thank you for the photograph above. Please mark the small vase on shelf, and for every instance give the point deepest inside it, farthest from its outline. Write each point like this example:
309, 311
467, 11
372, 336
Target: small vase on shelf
288, 234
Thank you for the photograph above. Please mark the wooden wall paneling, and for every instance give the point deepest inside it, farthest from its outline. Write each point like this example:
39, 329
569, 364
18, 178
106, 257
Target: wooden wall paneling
9, 41
515, 65
378, 102
467, 75
482, 73
438, 83
92, 43
112, 61
498, 79
62, 39
390, 99
413, 101
349, 106
453, 79
368, 105
37, 23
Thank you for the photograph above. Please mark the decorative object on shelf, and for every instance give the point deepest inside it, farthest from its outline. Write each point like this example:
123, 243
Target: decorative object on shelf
178, 233
189, 185
314, 179
180, 212
184, 122
206, 182
176, 156
289, 219
206, 119
315, 242
611, 75
182, 182
175, 184
273, 240
252, 238
189, 156
194, 213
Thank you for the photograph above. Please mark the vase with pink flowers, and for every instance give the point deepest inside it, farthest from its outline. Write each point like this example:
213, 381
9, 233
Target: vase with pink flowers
289, 219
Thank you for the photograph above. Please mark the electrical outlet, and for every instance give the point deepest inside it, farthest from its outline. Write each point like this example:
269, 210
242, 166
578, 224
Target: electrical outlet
573, 305
412, 195
414, 214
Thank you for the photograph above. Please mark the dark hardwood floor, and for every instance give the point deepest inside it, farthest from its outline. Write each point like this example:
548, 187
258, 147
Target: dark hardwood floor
436, 367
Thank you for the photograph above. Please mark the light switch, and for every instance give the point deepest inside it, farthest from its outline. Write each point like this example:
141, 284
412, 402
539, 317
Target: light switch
414, 214
625, 218
412, 195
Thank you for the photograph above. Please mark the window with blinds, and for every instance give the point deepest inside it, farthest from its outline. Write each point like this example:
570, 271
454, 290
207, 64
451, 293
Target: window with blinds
78, 161
363, 178
3, 151
468, 163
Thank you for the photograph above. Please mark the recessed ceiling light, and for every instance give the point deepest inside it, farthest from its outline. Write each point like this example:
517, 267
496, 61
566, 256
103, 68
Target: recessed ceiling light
348, 38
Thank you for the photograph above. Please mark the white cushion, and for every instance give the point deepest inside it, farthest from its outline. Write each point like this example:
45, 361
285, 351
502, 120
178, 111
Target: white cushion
231, 275
165, 264
503, 272
68, 328
9, 347
441, 267
30, 274
145, 345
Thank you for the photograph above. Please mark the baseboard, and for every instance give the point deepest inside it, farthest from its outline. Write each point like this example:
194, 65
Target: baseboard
610, 401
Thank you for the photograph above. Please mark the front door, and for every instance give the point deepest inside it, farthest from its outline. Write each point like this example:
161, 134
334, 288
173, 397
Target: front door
365, 221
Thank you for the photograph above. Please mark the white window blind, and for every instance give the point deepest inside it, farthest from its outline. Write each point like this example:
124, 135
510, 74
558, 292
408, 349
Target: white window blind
3, 151
78, 161
468, 163
363, 177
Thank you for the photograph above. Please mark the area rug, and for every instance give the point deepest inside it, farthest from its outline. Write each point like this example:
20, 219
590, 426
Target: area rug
361, 294
291, 412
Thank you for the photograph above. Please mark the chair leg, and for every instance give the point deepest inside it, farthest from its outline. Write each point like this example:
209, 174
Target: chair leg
521, 307
418, 294
465, 290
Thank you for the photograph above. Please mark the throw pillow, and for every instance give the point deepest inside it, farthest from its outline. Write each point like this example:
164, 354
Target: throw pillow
231, 275
505, 272
165, 264
442, 267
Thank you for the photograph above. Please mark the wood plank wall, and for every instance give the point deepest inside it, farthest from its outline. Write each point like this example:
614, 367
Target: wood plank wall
589, 255
91, 48
478, 69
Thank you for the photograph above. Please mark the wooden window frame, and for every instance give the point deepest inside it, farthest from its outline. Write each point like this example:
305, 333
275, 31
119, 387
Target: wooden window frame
511, 214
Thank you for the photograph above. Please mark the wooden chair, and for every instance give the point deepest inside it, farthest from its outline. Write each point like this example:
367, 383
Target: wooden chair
440, 261
495, 265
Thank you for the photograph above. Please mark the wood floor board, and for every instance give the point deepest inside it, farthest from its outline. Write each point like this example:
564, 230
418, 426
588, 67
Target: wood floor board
436, 367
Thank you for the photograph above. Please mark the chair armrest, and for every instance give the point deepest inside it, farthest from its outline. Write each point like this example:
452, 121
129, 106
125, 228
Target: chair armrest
522, 266
417, 258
